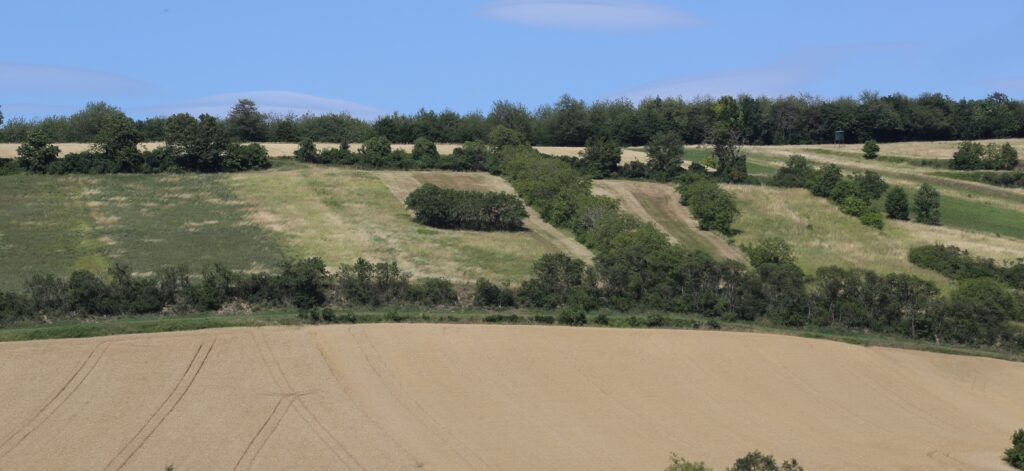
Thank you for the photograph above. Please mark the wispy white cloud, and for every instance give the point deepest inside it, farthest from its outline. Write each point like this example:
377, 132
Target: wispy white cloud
589, 15
770, 81
268, 101
32, 79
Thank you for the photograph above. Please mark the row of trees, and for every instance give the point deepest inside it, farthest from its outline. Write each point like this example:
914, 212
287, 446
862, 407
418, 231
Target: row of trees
957, 264
974, 156
192, 145
472, 210
858, 195
571, 122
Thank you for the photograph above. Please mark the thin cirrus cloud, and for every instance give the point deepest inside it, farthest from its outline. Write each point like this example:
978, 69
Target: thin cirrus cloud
49, 80
584, 15
268, 101
770, 81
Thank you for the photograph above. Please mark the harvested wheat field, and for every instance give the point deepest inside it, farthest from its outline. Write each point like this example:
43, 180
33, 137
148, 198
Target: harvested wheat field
471, 397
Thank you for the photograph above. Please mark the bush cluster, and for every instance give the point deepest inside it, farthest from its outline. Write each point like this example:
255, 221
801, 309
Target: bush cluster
713, 207
753, 461
854, 195
959, 264
471, 210
1014, 455
1013, 179
974, 156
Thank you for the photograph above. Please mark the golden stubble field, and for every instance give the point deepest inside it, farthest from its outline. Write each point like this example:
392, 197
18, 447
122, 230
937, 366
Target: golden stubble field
453, 397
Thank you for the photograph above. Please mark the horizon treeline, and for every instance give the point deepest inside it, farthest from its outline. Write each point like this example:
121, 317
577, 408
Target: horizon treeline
802, 119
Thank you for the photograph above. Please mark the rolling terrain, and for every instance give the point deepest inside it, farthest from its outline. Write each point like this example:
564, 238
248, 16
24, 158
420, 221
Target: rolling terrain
452, 397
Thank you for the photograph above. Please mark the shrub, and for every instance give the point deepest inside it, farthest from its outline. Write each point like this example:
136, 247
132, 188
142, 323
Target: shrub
492, 295
665, 153
825, 180
769, 250
306, 152
572, 316
558, 280
896, 204
1002, 157
367, 283
977, 312
601, 156
457, 209
870, 185
540, 319
870, 149
433, 292
854, 206
797, 173
757, 461
680, 464
872, 218
713, 207
1015, 454
375, 152
424, 153
967, 156
502, 136
36, 154
926, 205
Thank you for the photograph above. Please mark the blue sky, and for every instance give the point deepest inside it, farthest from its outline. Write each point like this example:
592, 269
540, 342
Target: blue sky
155, 58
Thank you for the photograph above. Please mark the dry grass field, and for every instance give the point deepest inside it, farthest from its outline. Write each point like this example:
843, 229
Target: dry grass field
452, 397
658, 203
341, 214
822, 236
917, 150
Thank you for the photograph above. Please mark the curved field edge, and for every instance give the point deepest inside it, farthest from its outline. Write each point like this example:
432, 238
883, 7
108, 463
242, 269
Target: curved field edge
156, 323
472, 397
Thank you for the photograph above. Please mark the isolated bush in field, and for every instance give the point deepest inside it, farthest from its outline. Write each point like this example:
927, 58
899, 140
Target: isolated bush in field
502, 136
601, 156
897, 205
36, 154
665, 153
424, 153
797, 173
306, 152
472, 210
241, 157
1015, 454
870, 149
926, 206
1002, 157
769, 250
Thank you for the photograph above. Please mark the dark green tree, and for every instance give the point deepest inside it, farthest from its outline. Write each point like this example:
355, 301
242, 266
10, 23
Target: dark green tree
502, 136
714, 208
602, 156
870, 185
37, 153
424, 152
825, 180
1015, 454
514, 116
968, 156
246, 123
757, 461
797, 173
770, 250
896, 204
306, 152
871, 149
665, 151
926, 206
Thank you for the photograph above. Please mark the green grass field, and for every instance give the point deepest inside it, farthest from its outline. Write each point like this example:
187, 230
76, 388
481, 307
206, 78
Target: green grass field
56, 224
